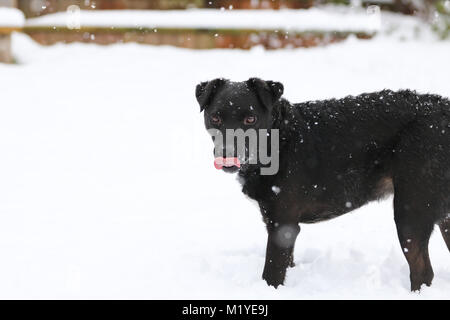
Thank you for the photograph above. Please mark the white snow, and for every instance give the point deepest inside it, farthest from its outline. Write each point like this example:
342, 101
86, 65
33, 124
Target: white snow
108, 188
276, 189
291, 20
11, 17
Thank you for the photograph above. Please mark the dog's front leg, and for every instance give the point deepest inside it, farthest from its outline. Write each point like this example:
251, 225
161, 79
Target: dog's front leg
280, 250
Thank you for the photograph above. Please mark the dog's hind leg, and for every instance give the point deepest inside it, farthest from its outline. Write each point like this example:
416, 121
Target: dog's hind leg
445, 230
414, 230
420, 191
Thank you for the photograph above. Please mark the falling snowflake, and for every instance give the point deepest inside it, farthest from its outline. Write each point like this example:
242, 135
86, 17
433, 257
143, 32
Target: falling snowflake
276, 189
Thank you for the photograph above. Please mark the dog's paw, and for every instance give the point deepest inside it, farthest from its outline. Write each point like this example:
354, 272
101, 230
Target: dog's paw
274, 279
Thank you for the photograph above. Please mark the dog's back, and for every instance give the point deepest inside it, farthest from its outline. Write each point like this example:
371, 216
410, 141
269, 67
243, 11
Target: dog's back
373, 121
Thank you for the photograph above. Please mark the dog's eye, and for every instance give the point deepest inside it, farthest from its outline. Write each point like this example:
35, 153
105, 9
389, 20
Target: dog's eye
250, 120
216, 119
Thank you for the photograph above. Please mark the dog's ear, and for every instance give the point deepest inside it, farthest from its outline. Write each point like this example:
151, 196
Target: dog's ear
268, 92
206, 90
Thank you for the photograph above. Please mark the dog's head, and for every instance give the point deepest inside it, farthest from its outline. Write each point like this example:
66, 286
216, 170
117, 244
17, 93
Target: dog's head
236, 105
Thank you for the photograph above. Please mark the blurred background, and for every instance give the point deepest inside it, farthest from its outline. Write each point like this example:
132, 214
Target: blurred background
249, 25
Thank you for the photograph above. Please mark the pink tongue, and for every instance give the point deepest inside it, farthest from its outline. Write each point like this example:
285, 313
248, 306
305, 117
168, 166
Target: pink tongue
219, 163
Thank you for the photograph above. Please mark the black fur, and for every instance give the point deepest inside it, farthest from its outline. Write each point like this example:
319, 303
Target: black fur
338, 155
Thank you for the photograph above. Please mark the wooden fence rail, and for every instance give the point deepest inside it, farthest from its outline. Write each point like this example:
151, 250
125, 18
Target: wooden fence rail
190, 38
39, 7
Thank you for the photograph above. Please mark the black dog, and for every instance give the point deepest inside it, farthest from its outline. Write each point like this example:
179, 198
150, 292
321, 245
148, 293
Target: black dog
336, 156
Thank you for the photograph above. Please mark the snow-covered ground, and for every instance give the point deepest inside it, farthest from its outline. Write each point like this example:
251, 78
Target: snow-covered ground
10, 17
108, 189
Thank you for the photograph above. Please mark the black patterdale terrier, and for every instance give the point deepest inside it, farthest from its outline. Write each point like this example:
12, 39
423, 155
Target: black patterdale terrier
336, 156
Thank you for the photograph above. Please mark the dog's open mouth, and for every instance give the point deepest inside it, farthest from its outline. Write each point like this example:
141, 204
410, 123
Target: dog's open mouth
227, 164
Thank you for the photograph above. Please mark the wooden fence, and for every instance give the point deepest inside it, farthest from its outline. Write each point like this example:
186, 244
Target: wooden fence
191, 38
33, 8
5, 35
5, 48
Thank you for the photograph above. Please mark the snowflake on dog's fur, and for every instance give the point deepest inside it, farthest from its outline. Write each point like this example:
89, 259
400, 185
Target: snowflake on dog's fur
276, 189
